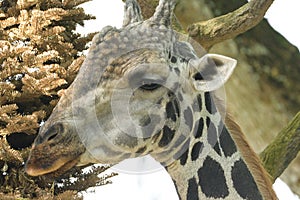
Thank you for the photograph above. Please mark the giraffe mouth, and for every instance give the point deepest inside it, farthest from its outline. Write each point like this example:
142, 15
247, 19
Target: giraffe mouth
57, 168
54, 161
53, 158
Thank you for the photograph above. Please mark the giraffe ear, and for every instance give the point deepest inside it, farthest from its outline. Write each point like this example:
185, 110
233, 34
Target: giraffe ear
211, 71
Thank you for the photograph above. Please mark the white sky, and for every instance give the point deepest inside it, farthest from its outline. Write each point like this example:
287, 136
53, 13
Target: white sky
283, 16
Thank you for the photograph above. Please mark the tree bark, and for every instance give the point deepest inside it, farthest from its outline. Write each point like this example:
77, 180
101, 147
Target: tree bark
228, 26
285, 147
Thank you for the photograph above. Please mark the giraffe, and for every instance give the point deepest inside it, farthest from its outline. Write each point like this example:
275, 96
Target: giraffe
144, 90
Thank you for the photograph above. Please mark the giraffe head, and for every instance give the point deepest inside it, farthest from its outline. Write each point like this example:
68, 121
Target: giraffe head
134, 95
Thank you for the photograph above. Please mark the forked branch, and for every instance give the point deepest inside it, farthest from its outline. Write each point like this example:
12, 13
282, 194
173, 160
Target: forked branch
210, 32
285, 147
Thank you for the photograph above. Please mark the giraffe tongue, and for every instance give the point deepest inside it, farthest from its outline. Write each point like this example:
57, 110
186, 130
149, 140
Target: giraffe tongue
57, 169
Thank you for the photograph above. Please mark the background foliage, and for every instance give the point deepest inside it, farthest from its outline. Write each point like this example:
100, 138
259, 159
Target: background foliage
40, 55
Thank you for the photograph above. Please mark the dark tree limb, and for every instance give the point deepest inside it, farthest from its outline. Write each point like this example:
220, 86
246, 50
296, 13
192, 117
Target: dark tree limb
285, 147
228, 26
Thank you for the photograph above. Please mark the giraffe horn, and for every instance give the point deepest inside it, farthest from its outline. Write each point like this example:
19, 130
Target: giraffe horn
132, 13
163, 12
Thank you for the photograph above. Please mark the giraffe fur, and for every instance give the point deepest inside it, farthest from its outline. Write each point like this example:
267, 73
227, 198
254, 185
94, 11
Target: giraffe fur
143, 90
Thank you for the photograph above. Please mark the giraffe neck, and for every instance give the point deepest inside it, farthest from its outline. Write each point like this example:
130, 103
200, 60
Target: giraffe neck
214, 167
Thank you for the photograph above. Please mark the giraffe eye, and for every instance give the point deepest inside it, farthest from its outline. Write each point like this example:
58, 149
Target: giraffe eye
150, 87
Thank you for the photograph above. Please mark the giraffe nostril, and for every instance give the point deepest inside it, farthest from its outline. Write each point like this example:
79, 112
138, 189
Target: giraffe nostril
54, 131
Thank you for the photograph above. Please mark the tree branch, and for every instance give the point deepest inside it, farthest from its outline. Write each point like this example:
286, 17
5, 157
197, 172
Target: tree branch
285, 147
228, 26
